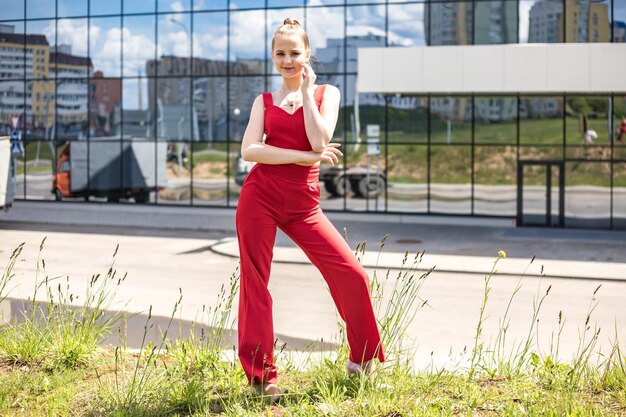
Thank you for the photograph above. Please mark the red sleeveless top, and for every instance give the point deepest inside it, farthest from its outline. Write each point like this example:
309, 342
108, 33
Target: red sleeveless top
285, 130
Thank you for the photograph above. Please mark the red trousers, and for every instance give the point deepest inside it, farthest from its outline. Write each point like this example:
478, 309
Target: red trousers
288, 196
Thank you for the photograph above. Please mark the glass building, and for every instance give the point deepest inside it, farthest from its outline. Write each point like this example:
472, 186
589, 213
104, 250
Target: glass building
151, 98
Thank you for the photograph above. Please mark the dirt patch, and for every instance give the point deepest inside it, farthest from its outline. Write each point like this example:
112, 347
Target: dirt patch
205, 170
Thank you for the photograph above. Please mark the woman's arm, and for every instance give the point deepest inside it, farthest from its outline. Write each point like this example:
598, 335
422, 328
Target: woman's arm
320, 125
254, 150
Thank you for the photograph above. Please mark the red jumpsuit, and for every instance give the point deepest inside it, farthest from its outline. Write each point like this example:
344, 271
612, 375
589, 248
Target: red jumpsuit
288, 196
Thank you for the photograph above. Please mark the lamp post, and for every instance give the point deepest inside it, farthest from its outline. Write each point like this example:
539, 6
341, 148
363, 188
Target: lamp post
181, 24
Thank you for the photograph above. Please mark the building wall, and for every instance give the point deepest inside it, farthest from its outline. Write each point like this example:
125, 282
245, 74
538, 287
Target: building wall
187, 73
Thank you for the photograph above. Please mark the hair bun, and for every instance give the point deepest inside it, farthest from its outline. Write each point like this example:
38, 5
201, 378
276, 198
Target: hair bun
291, 21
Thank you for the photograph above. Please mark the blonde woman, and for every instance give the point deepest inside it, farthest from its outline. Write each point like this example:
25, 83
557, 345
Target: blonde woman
282, 190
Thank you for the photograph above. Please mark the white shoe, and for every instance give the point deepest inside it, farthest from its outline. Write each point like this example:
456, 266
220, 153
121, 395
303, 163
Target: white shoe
358, 369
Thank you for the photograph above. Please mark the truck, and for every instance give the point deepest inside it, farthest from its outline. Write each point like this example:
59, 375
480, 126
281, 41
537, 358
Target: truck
363, 182
111, 168
6, 176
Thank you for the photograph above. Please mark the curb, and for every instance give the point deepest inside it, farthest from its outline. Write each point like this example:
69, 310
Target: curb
483, 265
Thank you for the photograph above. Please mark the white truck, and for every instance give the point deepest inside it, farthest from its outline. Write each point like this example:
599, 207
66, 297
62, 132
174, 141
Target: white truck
111, 168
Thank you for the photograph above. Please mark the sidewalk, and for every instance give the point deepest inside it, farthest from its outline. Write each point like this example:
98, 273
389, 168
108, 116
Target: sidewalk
450, 244
457, 263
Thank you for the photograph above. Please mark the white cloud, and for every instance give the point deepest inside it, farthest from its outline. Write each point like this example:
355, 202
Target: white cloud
72, 32
210, 45
248, 34
138, 49
177, 6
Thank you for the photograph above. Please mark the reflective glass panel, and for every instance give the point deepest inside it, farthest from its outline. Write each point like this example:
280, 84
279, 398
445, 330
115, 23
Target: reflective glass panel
105, 46
619, 21
39, 9
541, 120
587, 194
105, 105
139, 6
495, 180
408, 119
365, 177
540, 21
325, 28
495, 120
13, 99
540, 152
67, 8
406, 25
177, 174
40, 39
72, 108
174, 118
40, 109
495, 22
12, 9
210, 163
209, 43
587, 120
322, 2
449, 23
199, 5
366, 29
619, 127
587, 21
173, 5
13, 64
451, 120
287, 3
174, 45
450, 188
247, 50
243, 91
139, 45
407, 178
209, 106
247, 4
69, 57
104, 7
619, 195
138, 109
40, 157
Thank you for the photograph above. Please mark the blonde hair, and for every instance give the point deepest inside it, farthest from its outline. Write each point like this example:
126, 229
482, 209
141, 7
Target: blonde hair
290, 26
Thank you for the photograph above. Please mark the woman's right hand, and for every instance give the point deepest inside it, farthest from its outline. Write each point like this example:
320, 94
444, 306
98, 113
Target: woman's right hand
330, 154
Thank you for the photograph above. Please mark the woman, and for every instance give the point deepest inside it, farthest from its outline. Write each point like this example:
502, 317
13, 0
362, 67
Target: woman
282, 190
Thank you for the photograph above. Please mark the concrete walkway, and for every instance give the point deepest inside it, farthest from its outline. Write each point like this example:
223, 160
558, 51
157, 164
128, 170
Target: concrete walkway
450, 244
457, 263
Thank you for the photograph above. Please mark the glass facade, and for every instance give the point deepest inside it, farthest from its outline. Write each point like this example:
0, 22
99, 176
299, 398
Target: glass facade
147, 101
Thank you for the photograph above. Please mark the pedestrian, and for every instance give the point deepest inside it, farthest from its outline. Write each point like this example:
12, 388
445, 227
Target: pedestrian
622, 130
589, 136
288, 135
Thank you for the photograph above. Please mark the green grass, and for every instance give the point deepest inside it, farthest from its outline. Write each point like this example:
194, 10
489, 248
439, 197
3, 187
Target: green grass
197, 377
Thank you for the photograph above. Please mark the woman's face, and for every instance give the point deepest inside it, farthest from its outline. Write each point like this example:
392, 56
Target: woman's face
288, 54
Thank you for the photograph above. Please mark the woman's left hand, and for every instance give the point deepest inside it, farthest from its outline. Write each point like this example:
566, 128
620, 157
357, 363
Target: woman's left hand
308, 78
